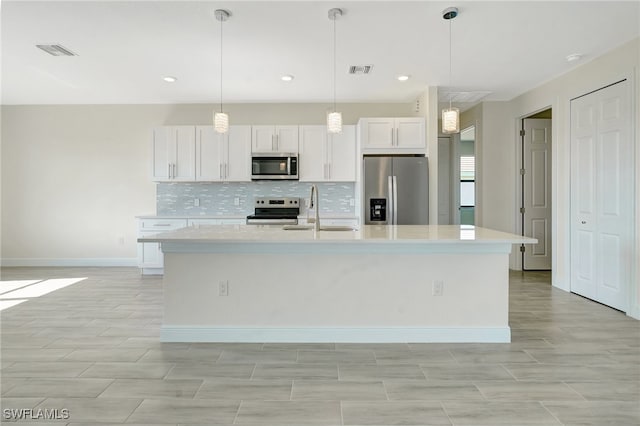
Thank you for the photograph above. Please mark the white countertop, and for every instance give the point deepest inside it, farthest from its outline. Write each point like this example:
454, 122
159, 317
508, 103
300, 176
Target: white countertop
371, 234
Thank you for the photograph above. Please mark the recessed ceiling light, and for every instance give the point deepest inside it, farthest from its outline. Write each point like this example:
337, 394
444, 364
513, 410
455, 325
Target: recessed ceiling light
403, 77
170, 79
287, 77
574, 57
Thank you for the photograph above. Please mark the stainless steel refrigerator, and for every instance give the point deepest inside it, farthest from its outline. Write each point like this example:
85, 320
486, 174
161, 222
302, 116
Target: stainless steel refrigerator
396, 190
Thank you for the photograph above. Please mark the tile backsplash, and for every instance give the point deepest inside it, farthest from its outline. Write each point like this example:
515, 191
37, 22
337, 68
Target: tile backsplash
218, 199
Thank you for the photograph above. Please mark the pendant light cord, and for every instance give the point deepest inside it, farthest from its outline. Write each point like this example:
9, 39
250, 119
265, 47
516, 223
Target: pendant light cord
334, 62
450, 43
221, 24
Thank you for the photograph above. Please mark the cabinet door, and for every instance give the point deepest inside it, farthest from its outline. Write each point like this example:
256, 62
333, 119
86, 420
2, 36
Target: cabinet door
410, 133
262, 139
184, 153
238, 150
342, 155
209, 154
286, 138
378, 132
160, 163
312, 158
150, 255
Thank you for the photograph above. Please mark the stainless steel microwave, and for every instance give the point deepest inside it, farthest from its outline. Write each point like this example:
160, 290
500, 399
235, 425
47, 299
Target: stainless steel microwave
274, 166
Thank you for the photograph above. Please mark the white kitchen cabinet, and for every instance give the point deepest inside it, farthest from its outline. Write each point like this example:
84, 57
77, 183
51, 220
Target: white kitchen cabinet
223, 157
393, 135
274, 139
327, 157
150, 257
173, 154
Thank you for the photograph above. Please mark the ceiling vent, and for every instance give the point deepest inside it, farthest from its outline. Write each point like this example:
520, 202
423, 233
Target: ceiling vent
360, 69
55, 50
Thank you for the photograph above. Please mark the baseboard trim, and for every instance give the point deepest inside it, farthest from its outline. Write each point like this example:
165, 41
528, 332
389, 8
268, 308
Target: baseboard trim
335, 335
79, 262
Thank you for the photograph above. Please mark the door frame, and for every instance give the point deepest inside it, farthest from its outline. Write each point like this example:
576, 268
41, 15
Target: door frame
518, 260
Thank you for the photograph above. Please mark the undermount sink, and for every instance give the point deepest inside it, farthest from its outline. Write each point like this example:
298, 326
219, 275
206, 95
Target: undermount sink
322, 228
337, 228
297, 227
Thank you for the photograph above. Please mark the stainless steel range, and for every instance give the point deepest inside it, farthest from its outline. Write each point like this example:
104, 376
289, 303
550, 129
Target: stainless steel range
275, 211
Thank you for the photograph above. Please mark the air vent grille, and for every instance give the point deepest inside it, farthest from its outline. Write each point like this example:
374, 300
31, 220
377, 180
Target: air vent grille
55, 49
360, 69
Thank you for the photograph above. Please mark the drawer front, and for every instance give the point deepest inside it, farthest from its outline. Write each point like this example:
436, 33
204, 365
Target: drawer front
160, 225
196, 222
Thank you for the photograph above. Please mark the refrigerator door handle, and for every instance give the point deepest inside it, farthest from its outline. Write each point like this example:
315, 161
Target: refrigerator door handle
392, 201
395, 201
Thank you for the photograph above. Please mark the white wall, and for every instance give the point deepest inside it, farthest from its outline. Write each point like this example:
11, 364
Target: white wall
498, 141
74, 176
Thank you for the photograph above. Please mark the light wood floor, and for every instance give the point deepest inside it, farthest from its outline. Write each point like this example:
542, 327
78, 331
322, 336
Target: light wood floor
92, 349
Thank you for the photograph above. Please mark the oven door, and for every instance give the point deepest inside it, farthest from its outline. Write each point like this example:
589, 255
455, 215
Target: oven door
273, 167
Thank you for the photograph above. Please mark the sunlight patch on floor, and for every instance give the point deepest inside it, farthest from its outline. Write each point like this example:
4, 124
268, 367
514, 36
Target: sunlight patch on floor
15, 292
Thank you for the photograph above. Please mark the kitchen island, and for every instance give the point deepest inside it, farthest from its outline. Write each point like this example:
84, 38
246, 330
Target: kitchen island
403, 283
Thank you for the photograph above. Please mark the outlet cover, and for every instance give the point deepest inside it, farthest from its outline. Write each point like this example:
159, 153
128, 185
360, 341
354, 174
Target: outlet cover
438, 288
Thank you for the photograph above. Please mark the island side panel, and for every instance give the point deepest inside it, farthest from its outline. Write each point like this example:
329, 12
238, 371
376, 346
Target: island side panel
341, 297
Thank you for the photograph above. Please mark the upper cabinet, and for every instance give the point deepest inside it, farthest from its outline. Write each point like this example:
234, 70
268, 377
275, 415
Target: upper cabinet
223, 157
393, 135
327, 157
275, 139
174, 151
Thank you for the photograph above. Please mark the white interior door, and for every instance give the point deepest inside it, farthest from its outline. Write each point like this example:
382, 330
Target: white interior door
536, 217
602, 195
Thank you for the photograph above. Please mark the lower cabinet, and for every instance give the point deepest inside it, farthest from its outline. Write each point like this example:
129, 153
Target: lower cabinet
150, 257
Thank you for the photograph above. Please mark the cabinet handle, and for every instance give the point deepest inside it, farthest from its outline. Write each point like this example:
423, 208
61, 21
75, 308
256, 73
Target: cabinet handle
220, 171
397, 138
174, 170
162, 224
392, 137
329, 171
277, 142
169, 171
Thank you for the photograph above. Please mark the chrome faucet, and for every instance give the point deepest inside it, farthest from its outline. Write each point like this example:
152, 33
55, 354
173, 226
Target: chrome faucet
313, 203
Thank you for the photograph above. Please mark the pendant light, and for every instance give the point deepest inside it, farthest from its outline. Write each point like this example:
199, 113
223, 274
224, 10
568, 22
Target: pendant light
334, 119
220, 119
450, 116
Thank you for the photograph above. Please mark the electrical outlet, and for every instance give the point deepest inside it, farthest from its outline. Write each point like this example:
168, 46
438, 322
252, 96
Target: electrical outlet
223, 288
438, 288
352, 202
236, 201
196, 202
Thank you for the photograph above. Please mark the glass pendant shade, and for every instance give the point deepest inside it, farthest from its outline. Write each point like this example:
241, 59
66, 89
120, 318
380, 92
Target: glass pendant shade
221, 122
450, 120
334, 122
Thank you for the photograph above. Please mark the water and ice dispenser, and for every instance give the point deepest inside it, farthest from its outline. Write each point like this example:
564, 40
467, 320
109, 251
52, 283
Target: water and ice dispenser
378, 209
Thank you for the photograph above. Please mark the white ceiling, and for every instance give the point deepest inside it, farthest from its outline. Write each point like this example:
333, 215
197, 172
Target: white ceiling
125, 48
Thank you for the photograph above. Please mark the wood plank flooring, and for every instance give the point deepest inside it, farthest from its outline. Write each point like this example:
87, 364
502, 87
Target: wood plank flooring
89, 353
